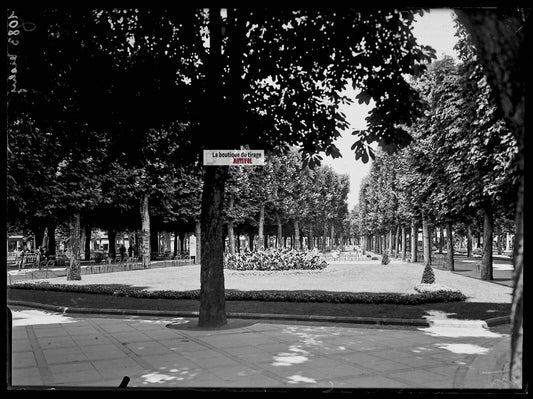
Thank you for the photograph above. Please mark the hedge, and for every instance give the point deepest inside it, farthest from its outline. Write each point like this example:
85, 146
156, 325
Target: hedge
275, 296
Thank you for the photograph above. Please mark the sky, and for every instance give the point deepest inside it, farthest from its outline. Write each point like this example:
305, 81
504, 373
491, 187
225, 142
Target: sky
436, 29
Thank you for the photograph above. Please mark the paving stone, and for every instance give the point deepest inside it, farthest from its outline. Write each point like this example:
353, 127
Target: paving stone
56, 342
215, 361
93, 339
71, 367
28, 380
148, 348
128, 337
420, 377
42, 332
20, 345
376, 381
161, 334
74, 377
64, 355
23, 360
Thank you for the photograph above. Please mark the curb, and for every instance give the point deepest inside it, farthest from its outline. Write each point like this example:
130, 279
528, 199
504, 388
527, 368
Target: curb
234, 315
260, 316
496, 321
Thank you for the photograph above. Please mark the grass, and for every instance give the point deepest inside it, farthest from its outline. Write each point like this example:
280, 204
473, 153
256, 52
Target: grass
460, 310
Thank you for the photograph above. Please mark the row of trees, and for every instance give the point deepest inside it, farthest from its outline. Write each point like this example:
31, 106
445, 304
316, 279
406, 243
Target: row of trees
459, 174
283, 198
286, 198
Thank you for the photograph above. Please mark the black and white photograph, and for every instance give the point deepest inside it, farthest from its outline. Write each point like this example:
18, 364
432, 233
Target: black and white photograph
266, 199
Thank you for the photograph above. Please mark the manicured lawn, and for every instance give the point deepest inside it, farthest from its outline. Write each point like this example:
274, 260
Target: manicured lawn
484, 299
366, 276
460, 310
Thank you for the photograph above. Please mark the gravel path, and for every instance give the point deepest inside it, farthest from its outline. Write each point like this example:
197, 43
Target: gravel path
365, 276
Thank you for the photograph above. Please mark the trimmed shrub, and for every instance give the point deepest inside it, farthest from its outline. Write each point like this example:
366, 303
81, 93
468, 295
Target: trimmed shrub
274, 259
385, 260
428, 277
275, 296
374, 258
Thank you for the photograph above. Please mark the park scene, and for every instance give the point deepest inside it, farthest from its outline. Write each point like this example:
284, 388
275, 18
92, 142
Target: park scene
191, 204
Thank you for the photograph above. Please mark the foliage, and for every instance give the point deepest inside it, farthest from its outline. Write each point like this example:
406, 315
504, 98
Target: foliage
385, 259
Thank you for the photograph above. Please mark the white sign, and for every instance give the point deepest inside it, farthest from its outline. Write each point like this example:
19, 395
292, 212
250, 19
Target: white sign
234, 157
192, 246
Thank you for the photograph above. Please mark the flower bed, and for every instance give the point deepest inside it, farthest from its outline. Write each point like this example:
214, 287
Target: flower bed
432, 288
274, 259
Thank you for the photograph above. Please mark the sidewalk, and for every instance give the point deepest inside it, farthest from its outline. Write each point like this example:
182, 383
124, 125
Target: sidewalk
84, 351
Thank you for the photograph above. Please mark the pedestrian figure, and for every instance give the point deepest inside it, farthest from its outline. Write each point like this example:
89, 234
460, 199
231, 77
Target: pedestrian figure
122, 251
38, 257
130, 251
22, 255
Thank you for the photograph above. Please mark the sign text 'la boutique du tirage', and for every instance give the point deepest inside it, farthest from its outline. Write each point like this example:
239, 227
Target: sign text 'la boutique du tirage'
234, 157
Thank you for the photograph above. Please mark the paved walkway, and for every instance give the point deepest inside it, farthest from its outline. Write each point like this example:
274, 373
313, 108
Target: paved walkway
85, 351
502, 268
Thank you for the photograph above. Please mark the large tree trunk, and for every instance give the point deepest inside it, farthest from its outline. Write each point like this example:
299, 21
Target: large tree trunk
154, 240
74, 270
501, 45
231, 238
488, 227
426, 242
112, 238
198, 235
468, 241
500, 243
212, 300
38, 233
310, 237
324, 240
396, 241
449, 248
518, 285
404, 243
176, 244
44, 243
182, 241
145, 232
166, 243
51, 231
261, 239
441, 239
280, 231
332, 237
296, 234
88, 233
414, 241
